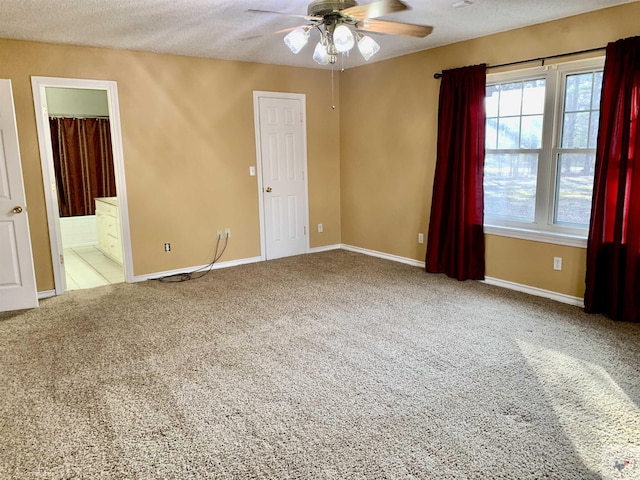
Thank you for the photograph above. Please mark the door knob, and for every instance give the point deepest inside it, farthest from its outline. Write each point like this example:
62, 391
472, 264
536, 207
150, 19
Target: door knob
17, 209
269, 189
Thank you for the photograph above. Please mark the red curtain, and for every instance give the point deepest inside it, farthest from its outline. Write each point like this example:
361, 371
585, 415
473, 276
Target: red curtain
613, 247
83, 161
456, 238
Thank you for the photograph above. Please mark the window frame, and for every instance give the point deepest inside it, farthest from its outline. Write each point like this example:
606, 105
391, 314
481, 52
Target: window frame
543, 227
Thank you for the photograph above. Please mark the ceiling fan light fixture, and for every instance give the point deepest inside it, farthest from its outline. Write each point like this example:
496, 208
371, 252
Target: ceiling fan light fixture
368, 47
343, 39
341, 25
320, 54
297, 39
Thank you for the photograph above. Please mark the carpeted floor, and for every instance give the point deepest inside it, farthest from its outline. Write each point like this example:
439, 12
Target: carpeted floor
326, 366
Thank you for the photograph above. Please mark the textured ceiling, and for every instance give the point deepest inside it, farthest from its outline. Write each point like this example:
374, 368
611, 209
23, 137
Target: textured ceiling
219, 28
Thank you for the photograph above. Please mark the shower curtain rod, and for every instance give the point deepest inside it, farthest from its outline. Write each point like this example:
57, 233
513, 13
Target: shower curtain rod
79, 116
539, 59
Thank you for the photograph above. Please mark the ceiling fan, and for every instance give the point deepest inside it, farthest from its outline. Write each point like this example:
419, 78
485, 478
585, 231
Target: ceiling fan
343, 23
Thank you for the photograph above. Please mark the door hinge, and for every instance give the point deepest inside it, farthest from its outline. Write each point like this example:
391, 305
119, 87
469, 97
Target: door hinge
61, 259
305, 230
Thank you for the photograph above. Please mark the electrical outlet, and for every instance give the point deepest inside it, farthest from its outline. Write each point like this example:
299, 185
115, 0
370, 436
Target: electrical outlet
219, 234
320, 228
167, 247
557, 263
421, 238
227, 232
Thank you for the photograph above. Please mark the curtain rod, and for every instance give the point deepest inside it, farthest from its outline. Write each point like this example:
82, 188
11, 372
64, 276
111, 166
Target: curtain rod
539, 59
79, 116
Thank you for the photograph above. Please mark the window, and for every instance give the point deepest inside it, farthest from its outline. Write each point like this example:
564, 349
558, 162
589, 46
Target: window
541, 133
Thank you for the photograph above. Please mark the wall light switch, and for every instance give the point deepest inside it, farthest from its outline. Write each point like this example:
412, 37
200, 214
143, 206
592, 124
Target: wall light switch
252, 171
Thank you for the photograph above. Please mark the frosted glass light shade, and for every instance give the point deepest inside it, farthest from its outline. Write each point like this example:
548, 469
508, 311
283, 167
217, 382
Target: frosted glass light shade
320, 54
343, 39
297, 39
368, 47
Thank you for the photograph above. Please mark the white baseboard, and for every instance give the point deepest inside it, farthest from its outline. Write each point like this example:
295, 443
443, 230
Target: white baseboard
386, 256
46, 294
231, 263
538, 292
325, 248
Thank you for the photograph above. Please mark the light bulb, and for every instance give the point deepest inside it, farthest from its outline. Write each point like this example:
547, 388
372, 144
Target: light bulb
297, 39
368, 47
343, 39
320, 54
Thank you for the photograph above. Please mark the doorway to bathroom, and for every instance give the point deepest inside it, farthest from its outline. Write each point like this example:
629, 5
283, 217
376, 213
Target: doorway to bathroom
80, 142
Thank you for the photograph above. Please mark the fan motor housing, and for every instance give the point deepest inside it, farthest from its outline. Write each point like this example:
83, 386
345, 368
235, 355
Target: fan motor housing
320, 8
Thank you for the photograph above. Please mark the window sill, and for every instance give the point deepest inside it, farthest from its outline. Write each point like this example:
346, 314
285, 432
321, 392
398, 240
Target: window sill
537, 236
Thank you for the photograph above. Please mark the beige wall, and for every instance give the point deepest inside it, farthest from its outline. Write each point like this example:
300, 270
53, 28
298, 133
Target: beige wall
388, 148
188, 137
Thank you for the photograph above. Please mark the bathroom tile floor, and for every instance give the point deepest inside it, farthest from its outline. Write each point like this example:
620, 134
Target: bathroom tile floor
88, 267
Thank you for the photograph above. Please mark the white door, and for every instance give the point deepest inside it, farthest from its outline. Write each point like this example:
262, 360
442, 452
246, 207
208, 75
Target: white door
282, 158
17, 278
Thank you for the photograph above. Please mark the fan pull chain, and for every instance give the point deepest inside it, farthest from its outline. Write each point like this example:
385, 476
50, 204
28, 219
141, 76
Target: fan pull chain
333, 104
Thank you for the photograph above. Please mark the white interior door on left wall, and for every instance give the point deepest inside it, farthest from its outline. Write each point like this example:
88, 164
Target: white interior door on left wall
17, 276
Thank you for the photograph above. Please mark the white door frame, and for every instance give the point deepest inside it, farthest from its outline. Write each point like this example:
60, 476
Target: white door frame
38, 85
256, 118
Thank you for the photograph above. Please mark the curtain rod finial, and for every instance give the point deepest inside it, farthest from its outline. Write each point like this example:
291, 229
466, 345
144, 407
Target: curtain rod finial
437, 75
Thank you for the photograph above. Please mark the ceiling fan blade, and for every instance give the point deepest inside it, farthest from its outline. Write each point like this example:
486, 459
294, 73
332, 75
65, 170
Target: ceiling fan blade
307, 17
394, 28
376, 9
284, 30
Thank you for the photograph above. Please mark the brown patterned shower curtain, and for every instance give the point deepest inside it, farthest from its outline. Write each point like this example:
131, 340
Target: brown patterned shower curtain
83, 161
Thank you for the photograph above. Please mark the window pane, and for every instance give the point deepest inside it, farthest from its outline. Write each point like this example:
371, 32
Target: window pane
533, 97
491, 100
510, 99
491, 133
515, 117
593, 131
597, 89
509, 132
531, 136
575, 130
574, 189
578, 93
510, 185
